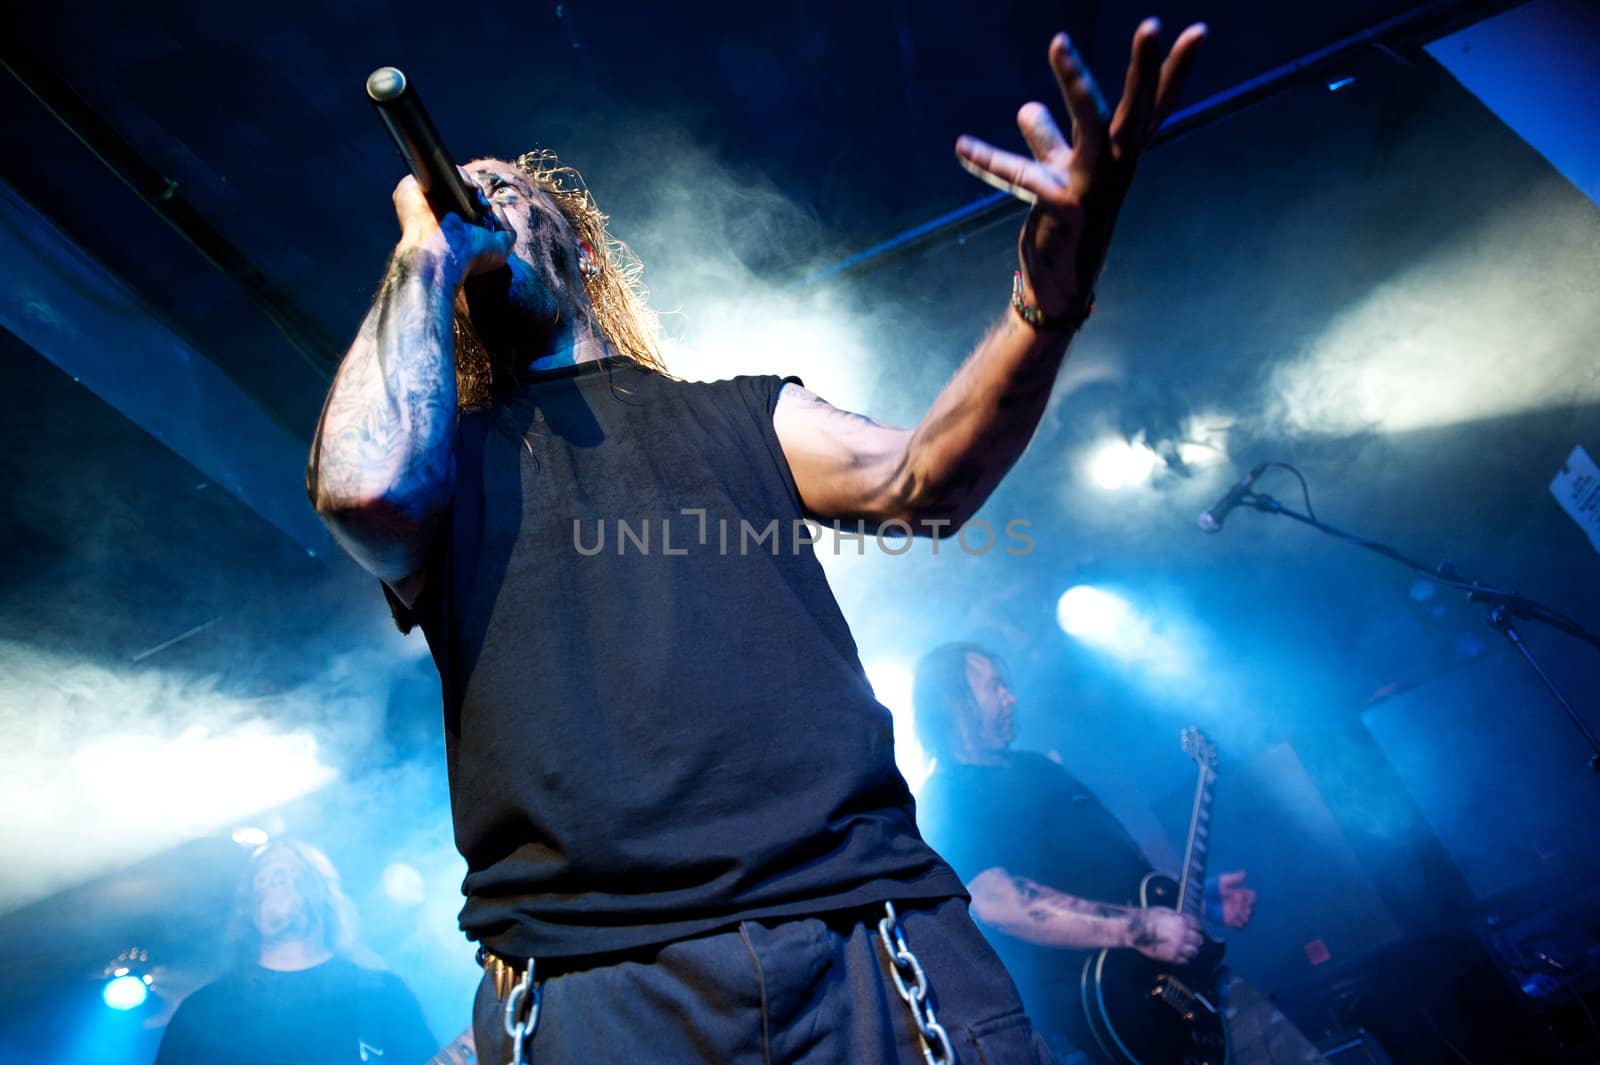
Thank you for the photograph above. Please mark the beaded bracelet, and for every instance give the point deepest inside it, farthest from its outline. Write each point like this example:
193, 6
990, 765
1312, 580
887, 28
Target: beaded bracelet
1036, 318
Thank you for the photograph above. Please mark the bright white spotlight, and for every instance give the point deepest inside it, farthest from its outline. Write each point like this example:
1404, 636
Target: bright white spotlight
127, 980
1122, 463
250, 836
1092, 614
126, 992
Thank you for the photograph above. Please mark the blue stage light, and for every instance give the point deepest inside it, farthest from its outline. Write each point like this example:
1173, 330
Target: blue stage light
1155, 645
125, 992
127, 980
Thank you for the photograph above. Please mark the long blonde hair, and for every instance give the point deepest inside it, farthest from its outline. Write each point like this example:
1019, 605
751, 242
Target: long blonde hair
316, 880
618, 307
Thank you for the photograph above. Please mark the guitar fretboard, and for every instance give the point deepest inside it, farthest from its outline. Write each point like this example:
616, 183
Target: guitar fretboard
1193, 888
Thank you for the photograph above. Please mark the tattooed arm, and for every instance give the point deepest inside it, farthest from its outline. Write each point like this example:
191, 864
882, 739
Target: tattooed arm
1039, 914
381, 467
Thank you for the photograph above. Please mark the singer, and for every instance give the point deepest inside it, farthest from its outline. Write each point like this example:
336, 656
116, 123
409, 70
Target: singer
676, 795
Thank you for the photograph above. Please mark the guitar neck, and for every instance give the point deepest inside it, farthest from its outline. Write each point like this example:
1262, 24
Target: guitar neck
1192, 886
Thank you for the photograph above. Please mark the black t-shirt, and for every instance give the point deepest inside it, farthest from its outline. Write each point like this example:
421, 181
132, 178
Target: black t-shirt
656, 720
1034, 819
336, 1013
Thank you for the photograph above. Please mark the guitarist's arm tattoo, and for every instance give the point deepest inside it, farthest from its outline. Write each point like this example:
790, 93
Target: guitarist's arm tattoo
1038, 913
1141, 932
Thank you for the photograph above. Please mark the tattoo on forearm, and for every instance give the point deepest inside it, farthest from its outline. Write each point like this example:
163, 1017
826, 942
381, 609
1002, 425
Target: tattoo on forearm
1141, 932
388, 425
1046, 904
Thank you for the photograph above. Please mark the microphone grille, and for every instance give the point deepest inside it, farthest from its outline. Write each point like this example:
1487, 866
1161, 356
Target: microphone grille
385, 84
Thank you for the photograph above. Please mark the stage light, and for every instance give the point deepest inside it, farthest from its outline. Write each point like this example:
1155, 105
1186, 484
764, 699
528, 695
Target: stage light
127, 980
1335, 86
250, 836
125, 992
1092, 614
1154, 643
1122, 463
403, 884
1427, 345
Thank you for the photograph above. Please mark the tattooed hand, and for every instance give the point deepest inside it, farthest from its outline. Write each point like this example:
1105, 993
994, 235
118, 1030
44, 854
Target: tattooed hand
1164, 935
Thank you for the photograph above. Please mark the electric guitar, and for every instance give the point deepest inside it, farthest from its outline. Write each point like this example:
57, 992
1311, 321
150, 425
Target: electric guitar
1144, 1012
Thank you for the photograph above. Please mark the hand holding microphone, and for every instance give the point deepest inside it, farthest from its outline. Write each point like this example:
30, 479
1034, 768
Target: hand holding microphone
407, 121
437, 188
466, 249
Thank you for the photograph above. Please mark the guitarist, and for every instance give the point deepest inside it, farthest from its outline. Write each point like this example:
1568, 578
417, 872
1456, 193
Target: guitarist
1048, 866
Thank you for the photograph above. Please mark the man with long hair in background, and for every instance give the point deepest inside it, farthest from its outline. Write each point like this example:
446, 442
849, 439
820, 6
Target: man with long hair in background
292, 992
685, 834
1053, 873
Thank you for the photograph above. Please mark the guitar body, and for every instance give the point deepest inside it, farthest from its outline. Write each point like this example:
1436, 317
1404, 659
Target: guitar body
1144, 1012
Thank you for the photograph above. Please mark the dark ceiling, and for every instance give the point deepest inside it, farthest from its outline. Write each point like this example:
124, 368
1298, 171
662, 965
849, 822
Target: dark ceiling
257, 118
1315, 243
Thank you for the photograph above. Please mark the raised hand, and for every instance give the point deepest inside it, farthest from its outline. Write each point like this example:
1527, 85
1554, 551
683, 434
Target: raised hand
1077, 188
1228, 896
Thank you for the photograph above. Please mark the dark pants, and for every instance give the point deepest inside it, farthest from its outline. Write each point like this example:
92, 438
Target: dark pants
805, 991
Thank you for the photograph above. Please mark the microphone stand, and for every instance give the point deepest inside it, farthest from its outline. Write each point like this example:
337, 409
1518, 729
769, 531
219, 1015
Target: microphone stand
1503, 607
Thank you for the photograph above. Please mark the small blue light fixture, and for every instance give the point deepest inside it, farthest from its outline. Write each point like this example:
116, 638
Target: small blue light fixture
127, 980
1335, 86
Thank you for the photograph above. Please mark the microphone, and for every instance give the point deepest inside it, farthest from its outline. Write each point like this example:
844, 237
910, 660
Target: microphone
407, 121
1211, 521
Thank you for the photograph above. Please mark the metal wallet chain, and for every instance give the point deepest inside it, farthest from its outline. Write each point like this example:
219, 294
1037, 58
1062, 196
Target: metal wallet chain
522, 1014
902, 965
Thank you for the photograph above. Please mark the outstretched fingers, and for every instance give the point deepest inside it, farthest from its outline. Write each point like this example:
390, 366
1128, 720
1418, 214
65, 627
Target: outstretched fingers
1006, 171
1175, 71
1132, 126
1085, 106
1039, 129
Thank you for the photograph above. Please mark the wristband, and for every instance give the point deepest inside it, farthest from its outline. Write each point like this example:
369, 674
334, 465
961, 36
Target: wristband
1036, 318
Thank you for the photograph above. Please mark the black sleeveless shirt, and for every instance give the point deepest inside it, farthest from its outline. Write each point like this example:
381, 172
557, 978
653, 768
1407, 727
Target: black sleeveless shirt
656, 720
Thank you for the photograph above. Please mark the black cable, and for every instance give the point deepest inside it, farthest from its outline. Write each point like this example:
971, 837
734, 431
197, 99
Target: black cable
1305, 490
